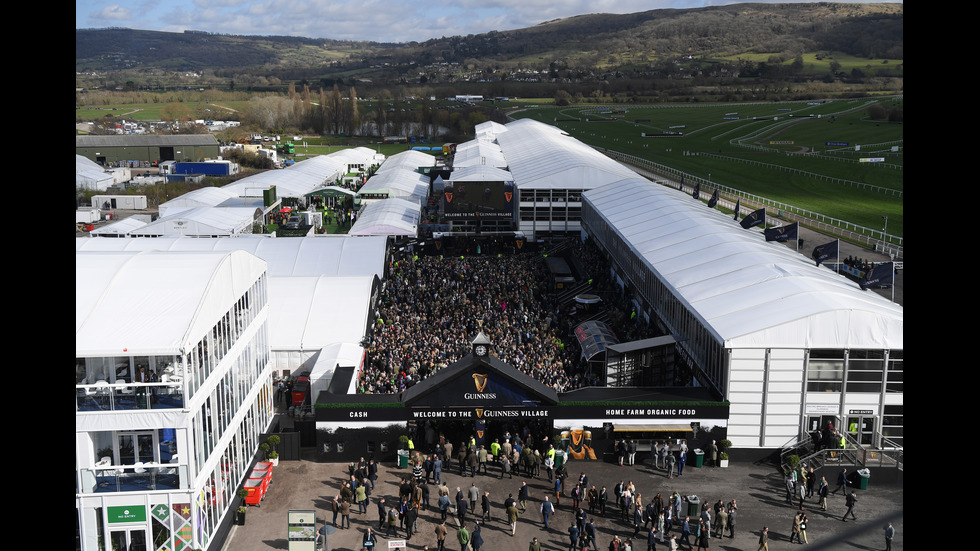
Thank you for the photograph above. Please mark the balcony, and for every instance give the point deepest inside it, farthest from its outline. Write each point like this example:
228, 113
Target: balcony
132, 478
120, 396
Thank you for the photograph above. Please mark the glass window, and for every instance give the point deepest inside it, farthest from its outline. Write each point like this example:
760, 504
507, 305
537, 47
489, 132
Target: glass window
825, 371
865, 370
895, 375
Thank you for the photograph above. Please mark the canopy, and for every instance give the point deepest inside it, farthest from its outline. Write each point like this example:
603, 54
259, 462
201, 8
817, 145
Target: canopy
388, 217
323, 255
201, 222
594, 337
308, 313
153, 302
748, 292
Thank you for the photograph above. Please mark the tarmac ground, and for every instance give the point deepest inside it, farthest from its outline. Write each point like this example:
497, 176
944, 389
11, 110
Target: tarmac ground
757, 487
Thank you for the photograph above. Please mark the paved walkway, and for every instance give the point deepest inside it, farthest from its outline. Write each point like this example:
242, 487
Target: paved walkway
758, 489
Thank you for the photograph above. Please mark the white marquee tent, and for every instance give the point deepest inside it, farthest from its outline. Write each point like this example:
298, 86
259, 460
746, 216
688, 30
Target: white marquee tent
201, 222
90, 175
388, 217
750, 293
310, 313
325, 255
154, 302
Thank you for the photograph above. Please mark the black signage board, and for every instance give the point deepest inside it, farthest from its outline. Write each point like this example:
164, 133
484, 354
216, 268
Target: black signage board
643, 412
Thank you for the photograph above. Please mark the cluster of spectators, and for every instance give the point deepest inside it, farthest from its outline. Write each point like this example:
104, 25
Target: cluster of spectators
432, 306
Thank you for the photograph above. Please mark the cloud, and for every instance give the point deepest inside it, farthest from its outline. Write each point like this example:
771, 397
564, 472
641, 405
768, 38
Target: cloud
113, 12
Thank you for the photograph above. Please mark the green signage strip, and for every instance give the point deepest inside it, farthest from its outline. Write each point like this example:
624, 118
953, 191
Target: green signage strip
133, 513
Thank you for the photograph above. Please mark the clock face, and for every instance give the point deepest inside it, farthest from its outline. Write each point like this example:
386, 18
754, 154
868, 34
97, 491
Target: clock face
480, 350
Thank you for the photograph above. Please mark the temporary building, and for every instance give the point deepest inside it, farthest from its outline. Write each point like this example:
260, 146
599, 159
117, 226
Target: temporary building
202, 222
410, 160
324, 255
401, 182
89, 175
209, 197
389, 217
310, 313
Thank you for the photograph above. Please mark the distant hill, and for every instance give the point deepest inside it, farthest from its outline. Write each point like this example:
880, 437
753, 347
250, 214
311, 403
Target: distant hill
863, 30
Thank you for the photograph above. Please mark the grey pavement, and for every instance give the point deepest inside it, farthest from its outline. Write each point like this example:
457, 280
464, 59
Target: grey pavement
757, 488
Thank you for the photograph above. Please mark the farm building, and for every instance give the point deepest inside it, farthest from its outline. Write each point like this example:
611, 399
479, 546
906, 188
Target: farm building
146, 149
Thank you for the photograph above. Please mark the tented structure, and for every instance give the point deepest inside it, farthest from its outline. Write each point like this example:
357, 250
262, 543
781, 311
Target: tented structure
409, 160
89, 175
202, 222
323, 255
199, 320
480, 152
401, 182
310, 313
209, 197
388, 217
764, 327
343, 354
119, 228
480, 173
294, 181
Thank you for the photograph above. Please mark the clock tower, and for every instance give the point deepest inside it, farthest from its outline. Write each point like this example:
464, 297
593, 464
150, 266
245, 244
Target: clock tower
481, 346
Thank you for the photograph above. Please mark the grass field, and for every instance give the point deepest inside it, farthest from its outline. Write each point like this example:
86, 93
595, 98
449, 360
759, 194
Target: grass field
756, 148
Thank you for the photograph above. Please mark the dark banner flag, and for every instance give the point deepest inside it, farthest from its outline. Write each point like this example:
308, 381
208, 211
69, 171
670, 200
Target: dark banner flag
754, 219
882, 275
783, 233
714, 200
738, 205
825, 251
697, 190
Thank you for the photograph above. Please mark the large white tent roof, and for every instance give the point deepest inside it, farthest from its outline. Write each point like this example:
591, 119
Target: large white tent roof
477, 153
90, 175
543, 157
388, 217
400, 182
154, 302
327, 255
409, 159
750, 293
200, 221
480, 173
308, 313
294, 181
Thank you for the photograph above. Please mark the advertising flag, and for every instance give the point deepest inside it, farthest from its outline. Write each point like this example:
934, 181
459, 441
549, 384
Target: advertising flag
738, 205
783, 233
697, 190
882, 275
714, 200
825, 251
754, 219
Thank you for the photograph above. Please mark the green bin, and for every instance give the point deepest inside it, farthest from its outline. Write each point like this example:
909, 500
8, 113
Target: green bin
698, 458
402, 459
693, 506
861, 479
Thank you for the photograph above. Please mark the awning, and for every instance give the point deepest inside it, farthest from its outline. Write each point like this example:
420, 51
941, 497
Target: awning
652, 428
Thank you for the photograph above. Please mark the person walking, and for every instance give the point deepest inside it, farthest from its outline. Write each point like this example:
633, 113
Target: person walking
686, 532
522, 496
764, 539
534, 546
485, 505
369, 541
842, 481
803, 521
392, 522
590, 536
463, 537
889, 536
512, 515
573, 536
682, 460
441, 533
382, 513
795, 532
547, 509
671, 461
850, 501
474, 495
476, 538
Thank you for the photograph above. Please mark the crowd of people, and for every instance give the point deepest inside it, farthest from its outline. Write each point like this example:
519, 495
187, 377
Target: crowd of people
432, 306
665, 521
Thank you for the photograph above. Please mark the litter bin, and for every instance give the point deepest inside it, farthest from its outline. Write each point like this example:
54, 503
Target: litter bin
402, 459
861, 480
698, 458
693, 506
559, 458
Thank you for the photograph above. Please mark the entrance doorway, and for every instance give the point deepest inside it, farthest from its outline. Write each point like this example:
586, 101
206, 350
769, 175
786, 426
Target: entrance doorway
861, 429
128, 539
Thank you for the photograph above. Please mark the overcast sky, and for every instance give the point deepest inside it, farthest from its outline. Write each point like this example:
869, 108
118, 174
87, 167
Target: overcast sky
375, 20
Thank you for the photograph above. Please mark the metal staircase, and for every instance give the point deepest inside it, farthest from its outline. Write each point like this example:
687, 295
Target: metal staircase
853, 454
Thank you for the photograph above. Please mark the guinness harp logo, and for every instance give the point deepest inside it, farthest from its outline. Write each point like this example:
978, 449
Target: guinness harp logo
480, 380
479, 415
479, 434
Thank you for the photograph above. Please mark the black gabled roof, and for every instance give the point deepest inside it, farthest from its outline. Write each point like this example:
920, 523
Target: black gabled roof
466, 366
